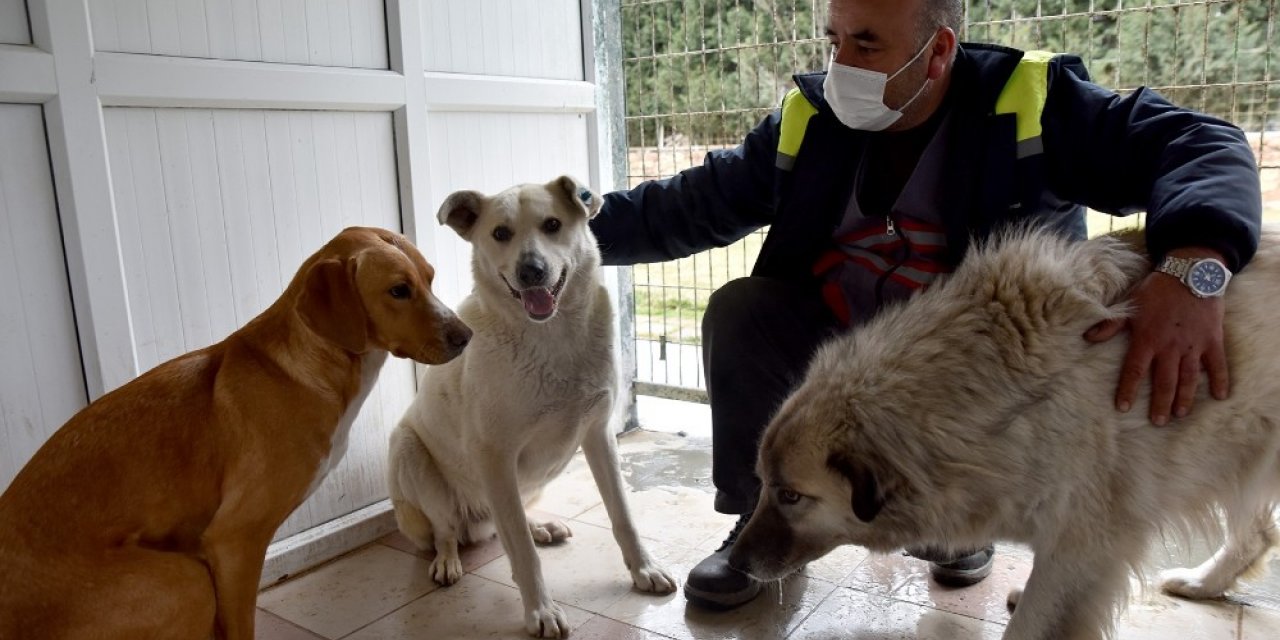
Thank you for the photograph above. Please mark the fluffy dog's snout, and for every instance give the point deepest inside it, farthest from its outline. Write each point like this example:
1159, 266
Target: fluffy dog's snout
532, 271
739, 560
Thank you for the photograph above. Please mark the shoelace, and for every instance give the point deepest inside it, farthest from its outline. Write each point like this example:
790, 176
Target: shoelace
737, 529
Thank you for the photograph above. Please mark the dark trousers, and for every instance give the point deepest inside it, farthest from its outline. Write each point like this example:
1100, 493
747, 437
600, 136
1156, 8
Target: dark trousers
758, 335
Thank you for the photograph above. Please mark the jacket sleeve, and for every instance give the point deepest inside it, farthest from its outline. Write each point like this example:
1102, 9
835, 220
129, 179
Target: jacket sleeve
712, 205
1194, 174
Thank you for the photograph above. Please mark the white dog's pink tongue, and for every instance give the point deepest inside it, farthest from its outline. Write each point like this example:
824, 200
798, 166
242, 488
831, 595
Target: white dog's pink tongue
538, 301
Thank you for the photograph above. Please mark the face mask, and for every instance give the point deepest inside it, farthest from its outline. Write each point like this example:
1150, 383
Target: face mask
856, 95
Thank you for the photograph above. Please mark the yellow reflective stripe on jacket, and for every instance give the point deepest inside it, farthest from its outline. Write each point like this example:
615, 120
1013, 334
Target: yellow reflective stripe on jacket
1024, 95
796, 111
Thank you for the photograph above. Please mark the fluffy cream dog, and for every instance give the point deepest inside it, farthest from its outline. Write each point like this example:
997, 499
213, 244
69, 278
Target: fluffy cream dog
977, 411
489, 430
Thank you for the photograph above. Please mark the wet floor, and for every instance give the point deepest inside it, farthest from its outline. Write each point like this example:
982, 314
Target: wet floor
384, 591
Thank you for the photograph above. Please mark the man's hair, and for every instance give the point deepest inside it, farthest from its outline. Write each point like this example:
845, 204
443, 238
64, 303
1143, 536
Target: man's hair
940, 13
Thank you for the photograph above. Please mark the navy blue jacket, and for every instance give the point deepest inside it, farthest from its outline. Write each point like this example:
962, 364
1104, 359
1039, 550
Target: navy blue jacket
1195, 176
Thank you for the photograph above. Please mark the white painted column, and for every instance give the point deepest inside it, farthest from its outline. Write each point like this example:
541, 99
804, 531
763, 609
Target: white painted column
82, 177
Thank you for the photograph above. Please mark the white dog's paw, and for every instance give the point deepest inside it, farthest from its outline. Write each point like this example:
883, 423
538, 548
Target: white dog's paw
1015, 595
652, 579
549, 532
1187, 583
546, 621
446, 569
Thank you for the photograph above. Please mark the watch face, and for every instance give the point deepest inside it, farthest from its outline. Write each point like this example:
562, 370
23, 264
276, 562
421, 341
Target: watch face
1207, 277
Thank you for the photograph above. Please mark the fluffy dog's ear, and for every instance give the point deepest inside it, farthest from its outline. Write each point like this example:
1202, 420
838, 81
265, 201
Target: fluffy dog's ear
579, 195
868, 496
460, 211
330, 305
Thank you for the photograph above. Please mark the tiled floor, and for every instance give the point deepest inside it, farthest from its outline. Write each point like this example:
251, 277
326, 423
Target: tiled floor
383, 591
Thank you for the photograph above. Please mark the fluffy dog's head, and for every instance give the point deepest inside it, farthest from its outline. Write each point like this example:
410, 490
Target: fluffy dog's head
895, 437
528, 241
371, 288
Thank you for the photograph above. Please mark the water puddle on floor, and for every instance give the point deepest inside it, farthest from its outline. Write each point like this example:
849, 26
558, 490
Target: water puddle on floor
685, 466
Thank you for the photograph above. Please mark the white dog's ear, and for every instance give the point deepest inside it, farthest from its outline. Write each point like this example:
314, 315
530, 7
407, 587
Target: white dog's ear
579, 195
868, 495
460, 211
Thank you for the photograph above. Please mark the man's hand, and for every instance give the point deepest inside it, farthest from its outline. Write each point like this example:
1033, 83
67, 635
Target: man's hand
1173, 336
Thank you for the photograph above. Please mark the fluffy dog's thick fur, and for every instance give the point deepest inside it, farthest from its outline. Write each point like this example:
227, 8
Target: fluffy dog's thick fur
489, 430
978, 412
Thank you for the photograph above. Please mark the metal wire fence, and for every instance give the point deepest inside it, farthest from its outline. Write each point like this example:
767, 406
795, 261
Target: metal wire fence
700, 73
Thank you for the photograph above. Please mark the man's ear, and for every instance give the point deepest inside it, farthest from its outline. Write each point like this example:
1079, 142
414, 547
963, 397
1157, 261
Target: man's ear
460, 211
578, 194
330, 305
868, 496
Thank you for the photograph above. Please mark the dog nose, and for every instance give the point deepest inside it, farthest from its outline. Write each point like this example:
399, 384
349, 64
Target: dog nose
458, 336
532, 272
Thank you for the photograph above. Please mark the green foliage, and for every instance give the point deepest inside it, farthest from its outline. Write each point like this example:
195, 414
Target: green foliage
704, 71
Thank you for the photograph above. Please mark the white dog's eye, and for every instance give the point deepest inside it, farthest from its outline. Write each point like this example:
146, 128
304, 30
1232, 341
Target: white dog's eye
502, 234
551, 225
787, 496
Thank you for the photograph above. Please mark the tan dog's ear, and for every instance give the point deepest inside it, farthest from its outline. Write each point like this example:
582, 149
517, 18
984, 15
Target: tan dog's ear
868, 497
579, 195
460, 211
331, 306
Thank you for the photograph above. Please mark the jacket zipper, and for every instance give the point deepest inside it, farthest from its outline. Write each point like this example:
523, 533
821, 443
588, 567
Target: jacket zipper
891, 230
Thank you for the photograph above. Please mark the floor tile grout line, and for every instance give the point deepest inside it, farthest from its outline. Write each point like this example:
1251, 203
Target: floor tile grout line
292, 624
817, 605
1239, 622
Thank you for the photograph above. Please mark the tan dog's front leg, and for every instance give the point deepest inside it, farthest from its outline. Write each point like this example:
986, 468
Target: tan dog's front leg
543, 618
235, 561
601, 452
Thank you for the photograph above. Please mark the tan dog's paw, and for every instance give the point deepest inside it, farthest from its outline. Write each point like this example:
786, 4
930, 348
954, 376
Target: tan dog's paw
1186, 583
652, 579
549, 532
446, 569
547, 621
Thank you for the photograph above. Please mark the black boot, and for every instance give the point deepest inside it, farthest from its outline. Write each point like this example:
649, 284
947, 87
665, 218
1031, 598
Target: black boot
714, 584
960, 570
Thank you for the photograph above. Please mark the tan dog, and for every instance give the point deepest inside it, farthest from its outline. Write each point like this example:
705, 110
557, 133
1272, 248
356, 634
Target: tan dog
149, 513
977, 412
487, 431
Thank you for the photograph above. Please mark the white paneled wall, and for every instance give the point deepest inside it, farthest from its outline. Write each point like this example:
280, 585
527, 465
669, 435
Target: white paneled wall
13, 22
217, 209
41, 383
525, 38
337, 33
489, 152
201, 149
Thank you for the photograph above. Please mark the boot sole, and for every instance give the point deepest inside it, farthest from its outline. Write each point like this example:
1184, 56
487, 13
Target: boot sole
721, 601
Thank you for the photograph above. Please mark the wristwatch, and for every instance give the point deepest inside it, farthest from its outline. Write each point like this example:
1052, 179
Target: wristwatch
1206, 277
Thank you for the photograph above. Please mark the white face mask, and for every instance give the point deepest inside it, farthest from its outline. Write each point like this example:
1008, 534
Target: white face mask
856, 95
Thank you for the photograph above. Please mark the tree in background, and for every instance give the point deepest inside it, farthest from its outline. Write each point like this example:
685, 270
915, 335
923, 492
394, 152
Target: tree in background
704, 71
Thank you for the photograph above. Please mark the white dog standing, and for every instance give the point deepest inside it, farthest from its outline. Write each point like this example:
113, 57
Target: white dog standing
976, 411
490, 429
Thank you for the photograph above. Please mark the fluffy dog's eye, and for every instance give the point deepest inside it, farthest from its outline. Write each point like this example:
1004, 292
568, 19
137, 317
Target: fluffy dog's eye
787, 496
551, 225
502, 234
399, 292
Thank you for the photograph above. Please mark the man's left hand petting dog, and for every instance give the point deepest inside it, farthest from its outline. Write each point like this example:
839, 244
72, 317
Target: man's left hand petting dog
148, 514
